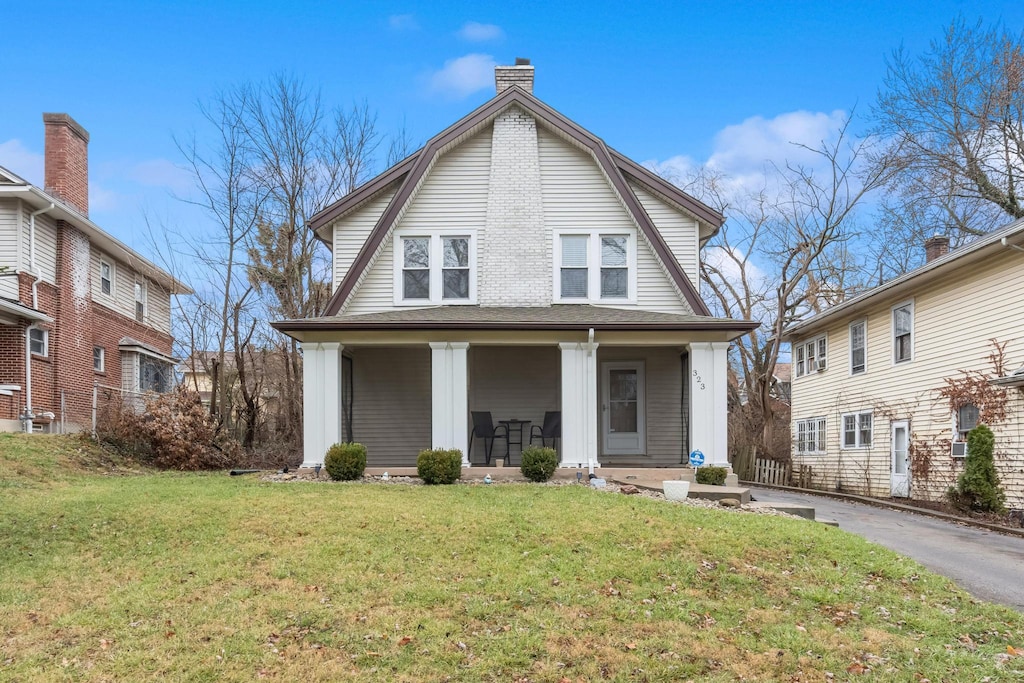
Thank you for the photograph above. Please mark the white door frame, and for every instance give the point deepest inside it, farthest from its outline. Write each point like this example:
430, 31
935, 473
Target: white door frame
899, 486
633, 443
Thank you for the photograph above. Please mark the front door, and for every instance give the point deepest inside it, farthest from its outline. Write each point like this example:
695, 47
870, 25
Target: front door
900, 460
622, 407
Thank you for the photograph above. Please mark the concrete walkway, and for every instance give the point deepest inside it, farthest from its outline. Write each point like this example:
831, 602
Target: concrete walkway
987, 564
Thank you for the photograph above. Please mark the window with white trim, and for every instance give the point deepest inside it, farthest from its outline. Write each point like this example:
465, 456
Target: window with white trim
967, 417
810, 436
903, 332
436, 268
99, 359
106, 277
39, 341
140, 301
594, 266
858, 347
857, 429
810, 356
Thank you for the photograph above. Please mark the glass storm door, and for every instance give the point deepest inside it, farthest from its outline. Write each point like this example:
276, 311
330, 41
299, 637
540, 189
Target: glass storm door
622, 405
900, 460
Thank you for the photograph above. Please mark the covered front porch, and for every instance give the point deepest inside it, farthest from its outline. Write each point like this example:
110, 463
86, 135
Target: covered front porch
625, 399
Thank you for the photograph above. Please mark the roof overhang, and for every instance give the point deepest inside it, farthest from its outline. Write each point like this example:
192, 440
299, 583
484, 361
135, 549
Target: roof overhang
135, 346
103, 241
12, 312
1013, 380
902, 287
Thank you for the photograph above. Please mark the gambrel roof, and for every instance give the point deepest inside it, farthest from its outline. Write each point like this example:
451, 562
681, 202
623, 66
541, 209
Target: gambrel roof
619, 170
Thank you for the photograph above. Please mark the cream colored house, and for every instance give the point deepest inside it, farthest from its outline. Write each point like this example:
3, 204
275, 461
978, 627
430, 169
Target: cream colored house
516, 265
887, 384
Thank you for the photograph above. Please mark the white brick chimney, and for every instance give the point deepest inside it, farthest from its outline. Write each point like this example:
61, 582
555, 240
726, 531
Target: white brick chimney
521, 74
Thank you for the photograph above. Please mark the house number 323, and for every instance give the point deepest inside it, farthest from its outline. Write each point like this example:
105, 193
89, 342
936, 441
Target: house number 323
697, 376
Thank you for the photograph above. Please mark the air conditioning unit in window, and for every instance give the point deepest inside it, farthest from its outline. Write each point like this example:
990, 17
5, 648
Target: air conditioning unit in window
820, 364
959, 449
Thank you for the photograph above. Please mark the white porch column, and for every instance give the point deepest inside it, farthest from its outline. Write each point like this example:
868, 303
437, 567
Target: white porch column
709, 410
579, 405
321, 399
449, 394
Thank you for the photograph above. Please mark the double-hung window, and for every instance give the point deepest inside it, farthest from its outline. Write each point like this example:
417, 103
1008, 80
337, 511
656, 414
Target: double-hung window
39, 341
810, 435
810, 356
435, 268
140, 301
967, 417
99, 359
903, 333
106, 277
592, 266
857, 430
858, 347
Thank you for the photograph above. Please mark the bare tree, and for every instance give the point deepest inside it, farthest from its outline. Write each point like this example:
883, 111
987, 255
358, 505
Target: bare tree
953, 119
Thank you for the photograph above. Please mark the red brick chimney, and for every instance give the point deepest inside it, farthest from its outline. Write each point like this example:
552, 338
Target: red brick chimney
67, 161
934, 247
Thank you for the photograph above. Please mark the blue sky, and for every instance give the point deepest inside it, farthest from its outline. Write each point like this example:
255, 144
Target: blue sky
689, 81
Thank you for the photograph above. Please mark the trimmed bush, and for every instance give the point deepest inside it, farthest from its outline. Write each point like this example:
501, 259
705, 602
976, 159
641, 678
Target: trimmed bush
439, 466
978, 486
711, 476
539, 463
345, 461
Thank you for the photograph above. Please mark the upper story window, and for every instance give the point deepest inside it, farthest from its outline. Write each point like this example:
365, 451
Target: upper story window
106, 277
435, 268
593, 266
39, 341
858, 347
857, 429
903, 332
140, 301
810, 356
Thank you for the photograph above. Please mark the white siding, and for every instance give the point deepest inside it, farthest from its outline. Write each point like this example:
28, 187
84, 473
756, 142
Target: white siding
453, 195
577, 195
46, 245
158, 300
679, 231
9, 247
953, 323
350, 232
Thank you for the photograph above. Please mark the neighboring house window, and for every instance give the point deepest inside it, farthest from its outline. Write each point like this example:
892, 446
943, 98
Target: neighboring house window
39, 341
99, 359
810, 435
140, 301
106, 278
437, 268
903, 333
857, 430
810, 356
154, 375
966, 420
594, 266
858, 347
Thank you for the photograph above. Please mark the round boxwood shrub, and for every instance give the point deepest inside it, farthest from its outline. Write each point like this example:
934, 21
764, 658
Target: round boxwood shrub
711, 475
439, 466
539, 463
345, 461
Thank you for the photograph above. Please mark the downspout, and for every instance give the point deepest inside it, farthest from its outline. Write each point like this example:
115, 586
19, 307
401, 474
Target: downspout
27, 415
32, 255
592, 428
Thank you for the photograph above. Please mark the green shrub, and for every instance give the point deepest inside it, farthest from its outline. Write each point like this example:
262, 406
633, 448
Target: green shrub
711, 475
439, 466
345, 461
539, 463
978, 486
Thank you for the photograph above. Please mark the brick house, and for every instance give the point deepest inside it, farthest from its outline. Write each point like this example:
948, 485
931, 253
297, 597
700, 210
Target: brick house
517, 267
78, 309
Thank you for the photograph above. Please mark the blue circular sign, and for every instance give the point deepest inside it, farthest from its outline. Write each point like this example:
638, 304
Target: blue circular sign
696, 458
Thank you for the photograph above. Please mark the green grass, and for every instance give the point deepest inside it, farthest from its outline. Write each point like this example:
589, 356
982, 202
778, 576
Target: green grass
206, 577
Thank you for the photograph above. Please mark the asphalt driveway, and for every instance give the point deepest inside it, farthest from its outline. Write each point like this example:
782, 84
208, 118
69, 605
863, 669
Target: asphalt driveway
987, 564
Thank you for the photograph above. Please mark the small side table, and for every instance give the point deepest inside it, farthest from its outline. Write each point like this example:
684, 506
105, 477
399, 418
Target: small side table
514, 427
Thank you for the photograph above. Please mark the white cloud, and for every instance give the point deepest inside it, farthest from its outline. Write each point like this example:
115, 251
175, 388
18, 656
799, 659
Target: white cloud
21, 161
463, 76
475, 32
730, 263
403, 22
161, 173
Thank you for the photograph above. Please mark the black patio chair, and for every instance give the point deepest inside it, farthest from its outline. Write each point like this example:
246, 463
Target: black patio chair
552, 429
483, 428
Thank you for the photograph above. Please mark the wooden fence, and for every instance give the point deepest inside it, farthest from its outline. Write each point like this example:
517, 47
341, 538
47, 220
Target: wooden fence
779, 473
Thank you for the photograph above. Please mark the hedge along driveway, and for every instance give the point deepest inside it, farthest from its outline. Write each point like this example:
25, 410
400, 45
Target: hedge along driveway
206, 577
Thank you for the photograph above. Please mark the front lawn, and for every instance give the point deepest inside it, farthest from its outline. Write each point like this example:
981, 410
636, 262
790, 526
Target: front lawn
207, 577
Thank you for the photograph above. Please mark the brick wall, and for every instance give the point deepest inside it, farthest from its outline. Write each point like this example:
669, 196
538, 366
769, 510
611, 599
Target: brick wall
67, 160
520, 74
515, 219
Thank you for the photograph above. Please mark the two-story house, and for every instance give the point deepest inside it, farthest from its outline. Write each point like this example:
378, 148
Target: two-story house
78, 309
887, 384
517, 266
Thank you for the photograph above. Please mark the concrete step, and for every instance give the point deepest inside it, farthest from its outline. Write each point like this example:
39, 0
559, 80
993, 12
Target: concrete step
805, 511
